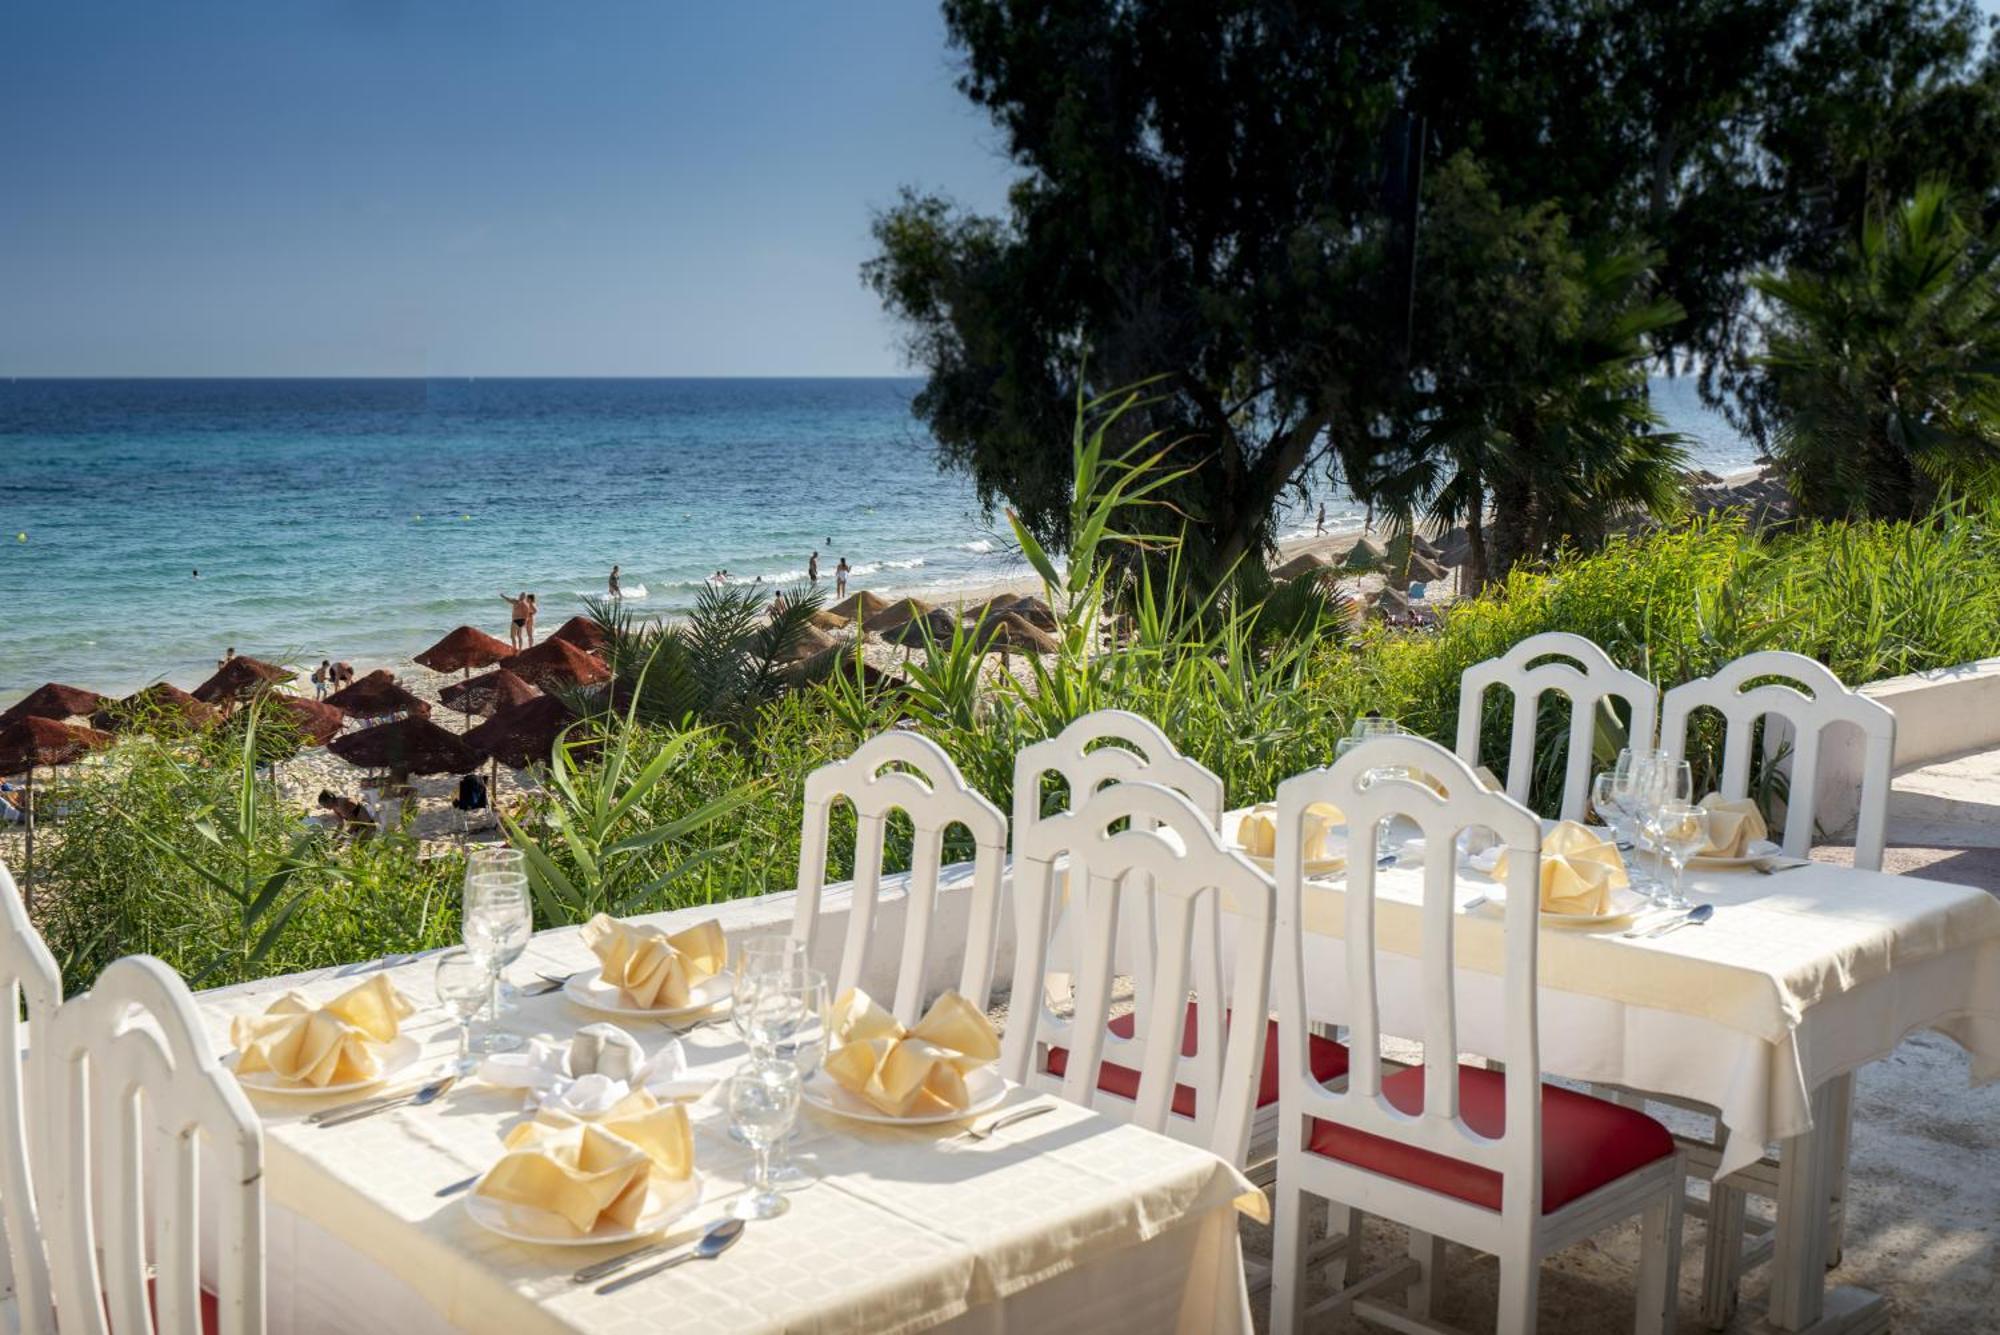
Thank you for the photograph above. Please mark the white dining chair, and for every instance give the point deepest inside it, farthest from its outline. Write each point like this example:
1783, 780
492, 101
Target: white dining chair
30, 981
1805, 699
1495, 1160
1808, 699
903, 771
1575, 667
1145, 839
144, 1119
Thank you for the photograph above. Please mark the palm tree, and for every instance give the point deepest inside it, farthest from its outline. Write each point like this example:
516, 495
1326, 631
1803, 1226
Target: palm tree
1886, 371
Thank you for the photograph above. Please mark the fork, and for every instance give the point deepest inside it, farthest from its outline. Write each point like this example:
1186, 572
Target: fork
550, 983
1004, 1119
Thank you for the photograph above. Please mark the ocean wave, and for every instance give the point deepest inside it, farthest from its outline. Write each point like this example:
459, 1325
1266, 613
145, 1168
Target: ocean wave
876, 567
979, 547
630, 593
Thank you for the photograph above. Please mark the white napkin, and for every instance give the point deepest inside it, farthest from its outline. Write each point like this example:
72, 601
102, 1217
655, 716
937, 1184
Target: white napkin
544, 1072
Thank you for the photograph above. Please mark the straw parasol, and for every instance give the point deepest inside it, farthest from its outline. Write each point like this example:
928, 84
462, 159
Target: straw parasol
410, 745
1423, 546
524, 734
241, 676
57, 701
1036, 612
162, 701
934, 626
582, 632
487, 695
1388, 602
378, 695
1305, 563
466, 648
1364, 555
829, 621
812, 640
30, 742
859, 606
1425, 568
895, 614
556, 662
1011, 631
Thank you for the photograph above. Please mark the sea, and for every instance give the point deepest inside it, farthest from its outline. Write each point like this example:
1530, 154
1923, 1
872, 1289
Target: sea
147, 526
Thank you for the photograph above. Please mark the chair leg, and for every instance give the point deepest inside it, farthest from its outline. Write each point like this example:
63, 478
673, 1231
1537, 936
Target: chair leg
1722, 1254
1347, 1260
1288, 1260
1520, 1288
1660, 1262
1427, 1250
1842, 1103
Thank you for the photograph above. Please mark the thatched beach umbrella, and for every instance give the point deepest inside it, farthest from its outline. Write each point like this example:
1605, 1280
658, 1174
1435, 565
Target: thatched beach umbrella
812, 640
1013, 632
1424, 568
1388, 603
933, 627
55, 701
378, 695
466, 648
488, 694
410, 745
30, 742
160, 702
896, 614
554, 663
828, 621
1364, 555
239, 678
1305, 563
524, 734
859, 606
1036, 611
584, 633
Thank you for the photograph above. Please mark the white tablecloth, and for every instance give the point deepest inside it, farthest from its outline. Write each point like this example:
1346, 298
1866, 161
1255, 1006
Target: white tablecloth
1070, 1221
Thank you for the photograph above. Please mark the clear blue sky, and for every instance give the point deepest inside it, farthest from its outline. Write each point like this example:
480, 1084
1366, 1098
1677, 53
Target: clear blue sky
648, 187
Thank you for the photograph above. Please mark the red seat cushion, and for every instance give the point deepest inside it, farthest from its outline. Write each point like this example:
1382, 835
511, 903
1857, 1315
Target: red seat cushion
1587, 1142
1329, 1062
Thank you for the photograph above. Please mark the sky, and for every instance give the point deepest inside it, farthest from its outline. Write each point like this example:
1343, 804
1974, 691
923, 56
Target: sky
618, 187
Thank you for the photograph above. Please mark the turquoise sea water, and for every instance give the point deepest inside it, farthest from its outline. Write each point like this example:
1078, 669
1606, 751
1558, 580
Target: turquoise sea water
362, 519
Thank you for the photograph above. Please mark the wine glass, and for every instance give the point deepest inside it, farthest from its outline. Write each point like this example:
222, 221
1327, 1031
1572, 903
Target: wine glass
756, 958
1683, 832
793, 1008
462, 985
496, 924
763, 1098
1389, 837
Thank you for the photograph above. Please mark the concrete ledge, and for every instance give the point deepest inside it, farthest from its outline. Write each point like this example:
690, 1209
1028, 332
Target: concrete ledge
1944, 714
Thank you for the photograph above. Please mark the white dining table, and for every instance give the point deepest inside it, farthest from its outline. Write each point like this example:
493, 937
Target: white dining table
1068, 1221
1760, 1014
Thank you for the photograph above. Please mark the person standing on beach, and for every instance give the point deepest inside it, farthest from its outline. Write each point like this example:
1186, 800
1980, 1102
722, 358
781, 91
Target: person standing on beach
319, 676
532, 609
812, 568
1320, 531
614, 583
840, 578
523, 608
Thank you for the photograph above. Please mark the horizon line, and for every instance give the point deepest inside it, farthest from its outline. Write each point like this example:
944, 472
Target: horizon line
508, 376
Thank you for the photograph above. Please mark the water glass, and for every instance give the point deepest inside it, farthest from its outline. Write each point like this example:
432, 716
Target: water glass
1683, 832
1389, 836
794, 1008
759, 957
463, 986
763, 1100
496, 923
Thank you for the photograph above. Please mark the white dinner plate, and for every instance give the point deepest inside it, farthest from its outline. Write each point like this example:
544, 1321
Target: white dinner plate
399, 1054
1624, 904
665, 1202
1755, 852
985, 1085
1314, 866
590, 991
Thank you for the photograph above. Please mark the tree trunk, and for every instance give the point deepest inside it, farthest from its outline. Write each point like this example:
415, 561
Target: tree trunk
1240, 531
1513, 520
1475, 538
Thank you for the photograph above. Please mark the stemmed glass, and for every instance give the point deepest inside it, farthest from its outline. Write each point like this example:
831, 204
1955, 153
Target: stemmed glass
496, 924
463, 986
1389, 839
763, 1099
1682, 832
757, 957
792, 1012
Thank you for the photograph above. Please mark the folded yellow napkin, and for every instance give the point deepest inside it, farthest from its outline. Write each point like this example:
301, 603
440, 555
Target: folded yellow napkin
653, 970
1734, 823
335, 1044
1257, 833
586, 1173
1580, 870
909, 1072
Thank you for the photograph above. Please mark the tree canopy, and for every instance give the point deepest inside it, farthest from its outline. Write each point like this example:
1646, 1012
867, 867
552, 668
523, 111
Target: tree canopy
1218, 194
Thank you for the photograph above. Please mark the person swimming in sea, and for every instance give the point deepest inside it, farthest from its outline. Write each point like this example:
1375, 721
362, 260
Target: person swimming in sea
613, 590
522, 605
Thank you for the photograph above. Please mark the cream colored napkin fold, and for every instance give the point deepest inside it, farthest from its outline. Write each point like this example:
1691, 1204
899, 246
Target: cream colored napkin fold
583, 1173
652, 969
1734, 823
1580, 870
314, 1046
1257, 832
913, 1072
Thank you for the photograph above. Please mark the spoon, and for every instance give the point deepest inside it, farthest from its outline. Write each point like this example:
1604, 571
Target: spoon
1694, 917
721, 1236
424, 1097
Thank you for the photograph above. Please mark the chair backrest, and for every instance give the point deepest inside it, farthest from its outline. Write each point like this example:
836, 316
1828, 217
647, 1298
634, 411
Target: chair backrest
1810, 699
140, 1104
1367, 798
902, 771
1109, 746
1553, 661
28, 975
1165, 849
